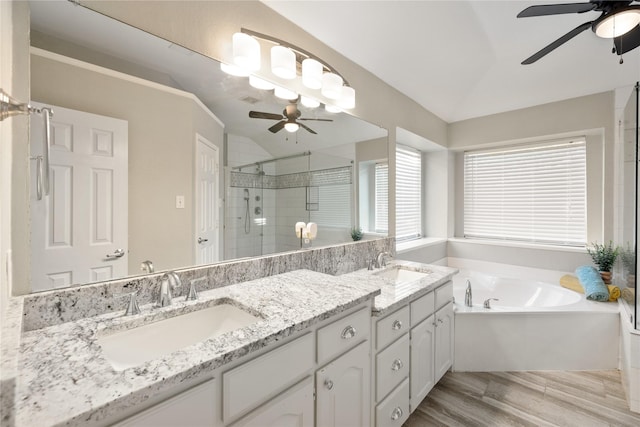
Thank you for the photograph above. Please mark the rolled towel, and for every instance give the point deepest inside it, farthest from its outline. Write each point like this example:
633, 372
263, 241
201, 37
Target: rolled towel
629, 295
570, 281
594, 287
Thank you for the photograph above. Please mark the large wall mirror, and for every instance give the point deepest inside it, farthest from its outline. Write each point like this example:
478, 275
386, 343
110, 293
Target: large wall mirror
154, 157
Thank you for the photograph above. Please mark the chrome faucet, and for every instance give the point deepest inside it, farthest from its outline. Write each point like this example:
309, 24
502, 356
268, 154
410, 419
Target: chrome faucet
468, 297
169, 283
487, 302
146, 266
381, 259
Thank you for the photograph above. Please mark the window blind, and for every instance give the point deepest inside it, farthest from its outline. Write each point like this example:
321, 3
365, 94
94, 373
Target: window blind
334, 206
533, 193
381, 217
408, 193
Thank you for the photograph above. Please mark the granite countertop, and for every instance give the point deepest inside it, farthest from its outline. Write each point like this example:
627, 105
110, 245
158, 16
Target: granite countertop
63, 378
393, 296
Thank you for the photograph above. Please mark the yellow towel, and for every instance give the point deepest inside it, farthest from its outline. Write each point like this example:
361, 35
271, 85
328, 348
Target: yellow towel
570, 281
629, 295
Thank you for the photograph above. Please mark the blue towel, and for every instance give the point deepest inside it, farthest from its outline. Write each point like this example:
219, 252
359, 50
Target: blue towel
594, 287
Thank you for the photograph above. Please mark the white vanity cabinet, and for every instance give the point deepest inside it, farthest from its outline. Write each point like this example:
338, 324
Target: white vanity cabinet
192, 407
413, 350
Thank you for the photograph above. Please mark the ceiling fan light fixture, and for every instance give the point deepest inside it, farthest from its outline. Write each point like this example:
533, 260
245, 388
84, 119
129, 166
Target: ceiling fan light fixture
246, 52
617, 24
233, 70
284, 93
347, 100
291, 127
283, 62
261, 84
331, 85
309, 102
312, 73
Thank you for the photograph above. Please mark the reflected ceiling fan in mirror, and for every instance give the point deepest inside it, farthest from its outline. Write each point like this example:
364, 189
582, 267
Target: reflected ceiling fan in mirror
289, 119
619, 20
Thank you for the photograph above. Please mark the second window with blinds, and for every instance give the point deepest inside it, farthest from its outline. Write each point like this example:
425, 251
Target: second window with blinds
534, 193
408, 193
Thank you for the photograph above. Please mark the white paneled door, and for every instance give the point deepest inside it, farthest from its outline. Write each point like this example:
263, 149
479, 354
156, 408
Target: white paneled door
206, 200
79, 230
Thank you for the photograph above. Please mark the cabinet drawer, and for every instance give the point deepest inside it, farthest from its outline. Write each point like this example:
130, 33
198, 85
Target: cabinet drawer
422, 308
392, 327
341, 335
394, 410
392, 366
444, 294
254, 382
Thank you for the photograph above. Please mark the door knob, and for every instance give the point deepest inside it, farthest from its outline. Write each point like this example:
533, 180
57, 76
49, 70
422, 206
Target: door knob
118, 253
201, 240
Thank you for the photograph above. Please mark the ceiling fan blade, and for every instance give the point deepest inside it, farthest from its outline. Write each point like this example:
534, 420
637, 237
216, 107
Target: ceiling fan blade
318, 120
278, 126
308, 128
628, 41
262, 115
556, 9
562, 40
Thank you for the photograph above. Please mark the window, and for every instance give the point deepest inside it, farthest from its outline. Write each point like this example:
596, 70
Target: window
408, 193
333, 206
381, 219
533, 193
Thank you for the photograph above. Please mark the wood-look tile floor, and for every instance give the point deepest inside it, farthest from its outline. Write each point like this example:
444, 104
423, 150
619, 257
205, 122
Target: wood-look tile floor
545, 398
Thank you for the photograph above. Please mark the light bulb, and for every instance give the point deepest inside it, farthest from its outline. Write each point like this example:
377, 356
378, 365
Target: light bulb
284, 93
618, 24
309, 102
332, 108
348, 98
246, 52
331, 85
312, 73
291, 127
233, 70
283, 62
259, 83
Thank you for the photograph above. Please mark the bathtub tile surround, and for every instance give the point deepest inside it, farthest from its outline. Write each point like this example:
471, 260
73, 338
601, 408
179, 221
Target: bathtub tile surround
65, 305
64, 378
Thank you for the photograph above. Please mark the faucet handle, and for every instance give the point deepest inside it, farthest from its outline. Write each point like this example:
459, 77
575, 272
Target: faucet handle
132, 306
192, 295
487, 302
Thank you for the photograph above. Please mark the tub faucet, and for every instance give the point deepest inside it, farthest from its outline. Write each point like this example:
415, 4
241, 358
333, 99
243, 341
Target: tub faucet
468, 297
487, 302
168, 283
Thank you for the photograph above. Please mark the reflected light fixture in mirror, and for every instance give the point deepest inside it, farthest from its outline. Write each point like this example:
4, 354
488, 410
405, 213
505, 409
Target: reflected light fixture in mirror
309, 102
285, 59
284, 93
291, 127
332, 109
261, 84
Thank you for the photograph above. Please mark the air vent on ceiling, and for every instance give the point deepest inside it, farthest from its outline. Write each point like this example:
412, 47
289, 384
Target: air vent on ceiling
249, 100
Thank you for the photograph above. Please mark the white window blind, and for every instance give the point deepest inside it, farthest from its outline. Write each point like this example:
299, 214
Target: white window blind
382, 198
334, 206
533, 193
408, 193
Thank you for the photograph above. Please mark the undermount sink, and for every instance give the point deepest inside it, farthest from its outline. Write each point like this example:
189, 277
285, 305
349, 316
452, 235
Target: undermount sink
399, 274
131, 347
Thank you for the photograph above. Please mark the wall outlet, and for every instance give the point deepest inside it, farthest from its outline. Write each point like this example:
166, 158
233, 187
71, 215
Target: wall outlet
179, 202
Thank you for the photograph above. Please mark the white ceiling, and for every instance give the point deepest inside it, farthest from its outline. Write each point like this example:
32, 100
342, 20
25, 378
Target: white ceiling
461, 59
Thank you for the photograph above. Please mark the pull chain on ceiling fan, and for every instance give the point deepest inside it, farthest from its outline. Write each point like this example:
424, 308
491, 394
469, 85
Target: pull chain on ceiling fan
619, 20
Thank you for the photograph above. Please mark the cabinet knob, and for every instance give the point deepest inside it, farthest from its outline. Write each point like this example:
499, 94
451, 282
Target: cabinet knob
397, 325
348, 333
397, 365
328, 384
396, 413
440, 321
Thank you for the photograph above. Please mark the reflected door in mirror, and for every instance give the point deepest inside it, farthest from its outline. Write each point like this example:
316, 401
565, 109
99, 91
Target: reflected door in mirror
207, 173
79, 230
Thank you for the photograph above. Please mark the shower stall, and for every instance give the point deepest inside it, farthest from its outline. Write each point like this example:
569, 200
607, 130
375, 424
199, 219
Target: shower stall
266, 198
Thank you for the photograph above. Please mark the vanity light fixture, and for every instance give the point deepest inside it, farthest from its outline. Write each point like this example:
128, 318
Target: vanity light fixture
309, 102
332, 109
287, 62
259, 83
284, 93
619, 23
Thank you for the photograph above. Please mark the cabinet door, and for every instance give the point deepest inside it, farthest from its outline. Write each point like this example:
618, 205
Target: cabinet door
444, 340
343, 390
194, 407
293, 408
422, 360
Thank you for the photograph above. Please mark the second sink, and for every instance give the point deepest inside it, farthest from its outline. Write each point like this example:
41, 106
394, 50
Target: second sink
132, 347
399, 274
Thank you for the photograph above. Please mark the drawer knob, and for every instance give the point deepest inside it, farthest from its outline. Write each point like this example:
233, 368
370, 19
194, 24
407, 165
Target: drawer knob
328, 384
397, 325
396, 413
348, 333
397, 365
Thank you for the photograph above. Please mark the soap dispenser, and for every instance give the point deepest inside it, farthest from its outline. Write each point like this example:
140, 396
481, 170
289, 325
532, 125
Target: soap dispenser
468, 298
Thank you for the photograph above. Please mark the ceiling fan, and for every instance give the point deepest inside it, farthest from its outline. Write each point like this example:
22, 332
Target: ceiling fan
289, 119
619, 20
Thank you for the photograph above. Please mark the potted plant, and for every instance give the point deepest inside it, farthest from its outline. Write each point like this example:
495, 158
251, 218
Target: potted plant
604, 256
628, 257
356, 233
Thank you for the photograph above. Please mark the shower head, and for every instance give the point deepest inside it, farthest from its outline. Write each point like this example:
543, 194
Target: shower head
246, 194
